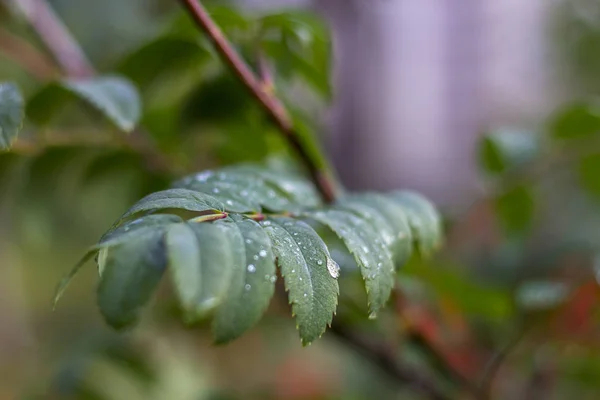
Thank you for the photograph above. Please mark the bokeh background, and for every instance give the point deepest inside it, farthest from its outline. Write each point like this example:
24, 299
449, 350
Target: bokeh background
487, 107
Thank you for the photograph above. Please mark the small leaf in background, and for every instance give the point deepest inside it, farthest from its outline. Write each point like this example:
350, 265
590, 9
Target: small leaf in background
453, 287
147, 62
589, 174
298, 43
541, 295
115, 97
11, 114
576, 121
309, 273
515, 209
504, 149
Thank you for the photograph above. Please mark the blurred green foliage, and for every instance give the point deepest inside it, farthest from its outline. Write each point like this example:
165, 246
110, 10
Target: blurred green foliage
522, 259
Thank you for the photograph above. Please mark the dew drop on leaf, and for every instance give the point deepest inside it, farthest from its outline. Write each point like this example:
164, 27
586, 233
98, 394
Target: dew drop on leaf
251, 268
333, 268
247, 287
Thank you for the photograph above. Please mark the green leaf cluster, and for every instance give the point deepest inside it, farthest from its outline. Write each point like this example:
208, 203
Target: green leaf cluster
224, 237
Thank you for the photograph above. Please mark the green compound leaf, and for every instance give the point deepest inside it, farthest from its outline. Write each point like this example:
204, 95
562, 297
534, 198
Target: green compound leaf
222, 262
115, 97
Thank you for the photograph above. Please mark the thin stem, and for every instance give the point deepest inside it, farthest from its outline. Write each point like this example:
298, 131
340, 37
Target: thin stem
51, 30
266, 98
442, 364
384, 359
29, 145
210, 217
493, 366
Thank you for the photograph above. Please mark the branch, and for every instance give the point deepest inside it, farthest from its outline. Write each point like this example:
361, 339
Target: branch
30, 145
493, 366
266, 98
53, 33
384, 359
439, 360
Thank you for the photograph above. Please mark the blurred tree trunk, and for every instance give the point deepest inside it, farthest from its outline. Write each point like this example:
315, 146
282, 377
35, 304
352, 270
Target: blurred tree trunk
416, 81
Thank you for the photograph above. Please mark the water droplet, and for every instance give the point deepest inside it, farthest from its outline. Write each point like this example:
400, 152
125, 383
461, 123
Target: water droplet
267, 223
255, 257
216, 190
262, 253
333, 268
247, 287
379, 265
305, 295
251, 268
248, 241
320, 262
295, 233
293, 271
203, 177
273, 279
366, 249
229, 202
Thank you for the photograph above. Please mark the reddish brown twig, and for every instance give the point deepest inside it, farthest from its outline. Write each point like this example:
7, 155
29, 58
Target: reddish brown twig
267, 99
57, 38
